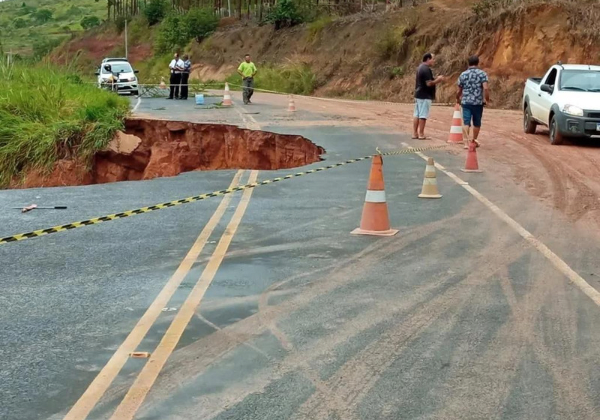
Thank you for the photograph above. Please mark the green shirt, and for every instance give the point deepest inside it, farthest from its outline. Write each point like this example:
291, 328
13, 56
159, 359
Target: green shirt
247, 69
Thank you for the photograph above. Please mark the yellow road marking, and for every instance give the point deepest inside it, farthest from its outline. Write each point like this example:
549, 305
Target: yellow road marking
100, 384
145, 380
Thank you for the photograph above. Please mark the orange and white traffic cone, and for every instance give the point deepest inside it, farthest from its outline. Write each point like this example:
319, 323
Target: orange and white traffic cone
162, 85
471, 164
227, 96
375, 219
291, 105
456, 130
430, 188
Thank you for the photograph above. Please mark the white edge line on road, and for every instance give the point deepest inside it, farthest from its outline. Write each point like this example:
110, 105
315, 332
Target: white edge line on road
137, 104
562, 266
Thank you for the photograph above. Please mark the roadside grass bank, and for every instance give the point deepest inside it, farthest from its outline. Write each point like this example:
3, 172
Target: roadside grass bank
47, 114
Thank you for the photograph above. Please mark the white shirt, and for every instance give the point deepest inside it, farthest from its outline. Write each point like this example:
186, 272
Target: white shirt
176, 63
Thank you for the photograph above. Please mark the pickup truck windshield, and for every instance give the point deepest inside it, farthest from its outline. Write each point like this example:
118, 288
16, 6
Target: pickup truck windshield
580, 80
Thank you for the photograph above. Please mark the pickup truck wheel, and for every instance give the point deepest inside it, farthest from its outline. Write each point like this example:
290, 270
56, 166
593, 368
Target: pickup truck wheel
555, 137
529, 125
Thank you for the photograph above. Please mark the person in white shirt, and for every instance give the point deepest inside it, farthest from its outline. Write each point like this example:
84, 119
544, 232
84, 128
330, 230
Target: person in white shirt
176, 67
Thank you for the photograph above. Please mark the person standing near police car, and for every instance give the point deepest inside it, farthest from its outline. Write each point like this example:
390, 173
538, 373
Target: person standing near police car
247, 70
176, 68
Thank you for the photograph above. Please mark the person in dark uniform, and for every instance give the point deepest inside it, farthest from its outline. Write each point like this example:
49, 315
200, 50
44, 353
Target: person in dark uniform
185, 76
176, 67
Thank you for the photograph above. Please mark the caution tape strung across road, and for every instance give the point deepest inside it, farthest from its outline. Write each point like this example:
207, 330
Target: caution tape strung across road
142, 210
347, 101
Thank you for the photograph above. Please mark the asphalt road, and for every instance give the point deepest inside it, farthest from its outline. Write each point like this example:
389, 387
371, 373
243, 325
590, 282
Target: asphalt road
456, 317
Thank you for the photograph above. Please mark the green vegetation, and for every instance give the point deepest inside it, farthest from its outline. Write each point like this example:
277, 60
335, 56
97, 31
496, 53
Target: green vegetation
316, 27
155, 11
90, 22
176, 31
285, 14
291, 78
24, 24
394, 41
47, 115
155, 68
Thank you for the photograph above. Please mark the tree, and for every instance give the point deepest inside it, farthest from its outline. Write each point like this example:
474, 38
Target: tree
155, 11
200, 23
172, 34
42, 16
285, 14
89, 22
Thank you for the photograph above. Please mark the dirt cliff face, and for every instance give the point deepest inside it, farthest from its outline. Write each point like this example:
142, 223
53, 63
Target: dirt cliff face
156, 148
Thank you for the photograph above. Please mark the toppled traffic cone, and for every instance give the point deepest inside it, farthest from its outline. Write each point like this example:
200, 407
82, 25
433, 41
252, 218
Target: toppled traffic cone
375, 219
227, 96
430, 188
162, 85
291, 105
456, 130
471, 164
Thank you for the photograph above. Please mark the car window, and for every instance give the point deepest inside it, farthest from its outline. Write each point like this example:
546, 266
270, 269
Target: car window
580, 80
551, 79
118, 68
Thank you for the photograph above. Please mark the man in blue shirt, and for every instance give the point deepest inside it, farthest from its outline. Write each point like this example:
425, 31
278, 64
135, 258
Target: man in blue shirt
185, 77
473, 94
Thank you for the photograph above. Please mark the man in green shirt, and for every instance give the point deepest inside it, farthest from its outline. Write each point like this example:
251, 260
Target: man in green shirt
247, 70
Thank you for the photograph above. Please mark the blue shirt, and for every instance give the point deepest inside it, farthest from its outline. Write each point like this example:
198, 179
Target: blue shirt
471, 81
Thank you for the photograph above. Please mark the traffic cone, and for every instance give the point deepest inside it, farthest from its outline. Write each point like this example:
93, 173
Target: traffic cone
471, 164
430, 189
375, 219
291, 105
227, 96
162, 85
456, 130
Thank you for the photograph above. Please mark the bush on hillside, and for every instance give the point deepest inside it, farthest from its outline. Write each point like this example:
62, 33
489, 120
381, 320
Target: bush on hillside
19, 23
90, 22
176, 31
42, 16
42, 47
200, 23
58, 118
155, 11
171, 35
285, 14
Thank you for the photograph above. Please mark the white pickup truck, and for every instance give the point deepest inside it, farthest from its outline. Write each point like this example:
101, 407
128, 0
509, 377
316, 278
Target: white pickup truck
566, 99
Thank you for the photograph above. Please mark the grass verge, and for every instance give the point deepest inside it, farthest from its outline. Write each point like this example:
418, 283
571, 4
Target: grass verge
46, 115
289, 78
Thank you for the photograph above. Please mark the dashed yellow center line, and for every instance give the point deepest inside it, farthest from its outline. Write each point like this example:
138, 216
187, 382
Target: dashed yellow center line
101, 383
145, 380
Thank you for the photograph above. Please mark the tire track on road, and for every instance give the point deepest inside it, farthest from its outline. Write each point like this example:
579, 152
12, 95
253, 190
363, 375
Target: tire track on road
359, 375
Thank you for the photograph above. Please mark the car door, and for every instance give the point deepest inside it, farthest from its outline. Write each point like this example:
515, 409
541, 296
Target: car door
545, 99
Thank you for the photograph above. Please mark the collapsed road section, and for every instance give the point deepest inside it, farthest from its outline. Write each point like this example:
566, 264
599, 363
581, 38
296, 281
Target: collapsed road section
156, 148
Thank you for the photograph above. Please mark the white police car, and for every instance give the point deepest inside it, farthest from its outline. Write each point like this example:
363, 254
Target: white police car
127, 81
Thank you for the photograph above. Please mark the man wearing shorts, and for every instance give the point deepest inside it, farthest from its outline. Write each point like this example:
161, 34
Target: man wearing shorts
473, 94
424, 95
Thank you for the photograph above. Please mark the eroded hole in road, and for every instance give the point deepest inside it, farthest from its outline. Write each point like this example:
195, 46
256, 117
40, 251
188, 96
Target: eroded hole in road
156, 148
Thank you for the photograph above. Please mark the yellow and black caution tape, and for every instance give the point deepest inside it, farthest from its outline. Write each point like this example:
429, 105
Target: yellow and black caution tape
141, 210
